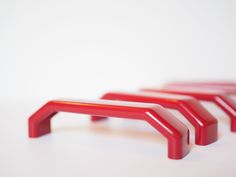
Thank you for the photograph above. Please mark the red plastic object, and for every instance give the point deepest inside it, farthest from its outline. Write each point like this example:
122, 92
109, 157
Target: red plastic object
175, 131
222, 83
205, 124
219, 98
227, 87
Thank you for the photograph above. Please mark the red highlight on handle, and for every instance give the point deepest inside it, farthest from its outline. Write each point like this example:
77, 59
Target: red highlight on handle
204, 123
175, 131
218, 97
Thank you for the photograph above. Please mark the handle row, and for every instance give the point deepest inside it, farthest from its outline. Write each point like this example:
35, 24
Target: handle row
149, 105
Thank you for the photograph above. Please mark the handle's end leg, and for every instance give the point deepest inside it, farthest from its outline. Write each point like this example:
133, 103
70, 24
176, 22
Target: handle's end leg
233, 124
179, 148
207, 135
37, 129
97, 118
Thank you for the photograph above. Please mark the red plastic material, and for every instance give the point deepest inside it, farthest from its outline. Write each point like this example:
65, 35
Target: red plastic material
219, 98
222, 83
205, 124
227, 87
168, 125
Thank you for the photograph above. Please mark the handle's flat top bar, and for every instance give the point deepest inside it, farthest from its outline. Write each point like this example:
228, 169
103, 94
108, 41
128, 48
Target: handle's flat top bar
175, 131
191, 90
164, 96
201, 93
101, 103
205, 124
215, 83
226, 88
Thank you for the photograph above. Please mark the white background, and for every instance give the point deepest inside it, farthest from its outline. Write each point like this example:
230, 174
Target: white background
81, 49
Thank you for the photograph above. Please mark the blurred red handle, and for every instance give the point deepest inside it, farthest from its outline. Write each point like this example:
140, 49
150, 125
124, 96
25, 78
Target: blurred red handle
218, 97
204, 123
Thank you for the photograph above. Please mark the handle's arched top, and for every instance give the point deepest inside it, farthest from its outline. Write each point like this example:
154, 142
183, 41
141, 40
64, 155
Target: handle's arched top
226, 87
218, 97
197, 83
204, 123
176, 133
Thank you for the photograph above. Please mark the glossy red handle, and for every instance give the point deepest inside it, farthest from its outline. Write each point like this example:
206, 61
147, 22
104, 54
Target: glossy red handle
219, 98
226, 87
219, 83
204, 123
176, 132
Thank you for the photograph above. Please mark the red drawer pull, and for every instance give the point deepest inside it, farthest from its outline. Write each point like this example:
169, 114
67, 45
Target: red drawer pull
175, 131
204, 83
227, 87
205, 124
218, 97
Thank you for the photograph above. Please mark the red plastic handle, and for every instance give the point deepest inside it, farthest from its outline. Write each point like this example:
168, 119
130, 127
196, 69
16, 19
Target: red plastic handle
176, 132
227, 87
205, 124
220, 83
219, 98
